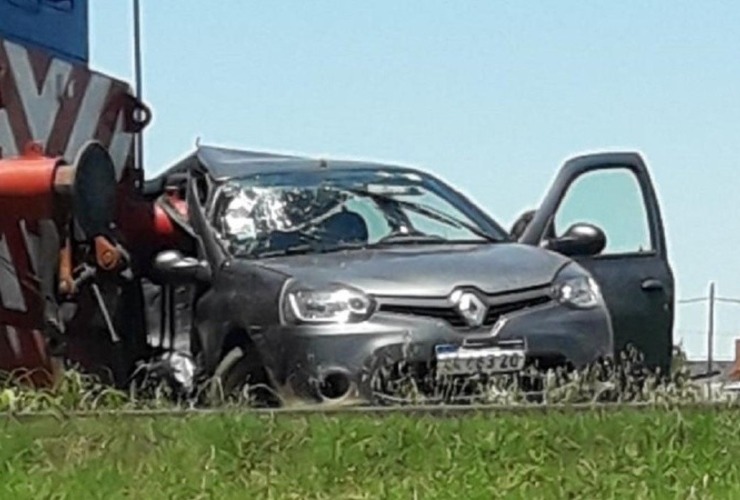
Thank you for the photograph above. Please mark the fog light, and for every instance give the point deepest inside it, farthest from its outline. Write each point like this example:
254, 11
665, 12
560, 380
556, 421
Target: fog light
335, 385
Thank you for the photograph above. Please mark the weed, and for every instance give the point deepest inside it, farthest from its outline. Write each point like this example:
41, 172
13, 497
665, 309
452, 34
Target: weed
623, 381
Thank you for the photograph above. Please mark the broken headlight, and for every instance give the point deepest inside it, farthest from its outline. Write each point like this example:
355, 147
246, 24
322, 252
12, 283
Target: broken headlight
332, 304
579, 291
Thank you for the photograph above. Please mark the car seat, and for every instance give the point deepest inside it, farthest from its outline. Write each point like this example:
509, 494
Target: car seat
341, 227
344, 227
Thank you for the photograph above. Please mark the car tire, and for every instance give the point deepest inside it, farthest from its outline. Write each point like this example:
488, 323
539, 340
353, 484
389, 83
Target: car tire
240, 368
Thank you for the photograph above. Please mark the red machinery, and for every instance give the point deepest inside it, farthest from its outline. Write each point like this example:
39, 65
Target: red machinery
77, 232
28, 188
68, 280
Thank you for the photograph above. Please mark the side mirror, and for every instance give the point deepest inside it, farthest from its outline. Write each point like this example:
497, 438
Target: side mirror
580, 240
175, 268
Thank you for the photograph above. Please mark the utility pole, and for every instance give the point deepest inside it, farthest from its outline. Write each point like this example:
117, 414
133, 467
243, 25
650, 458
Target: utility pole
710, 329
139, 139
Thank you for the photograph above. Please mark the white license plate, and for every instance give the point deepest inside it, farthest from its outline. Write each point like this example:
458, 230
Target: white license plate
456, 360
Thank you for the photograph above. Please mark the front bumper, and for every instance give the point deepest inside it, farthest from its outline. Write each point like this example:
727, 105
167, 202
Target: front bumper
301, 357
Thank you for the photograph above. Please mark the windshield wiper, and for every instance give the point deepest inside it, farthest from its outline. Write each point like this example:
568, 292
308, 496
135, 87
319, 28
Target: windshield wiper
306, 248
410, 238
292, 250
427, 211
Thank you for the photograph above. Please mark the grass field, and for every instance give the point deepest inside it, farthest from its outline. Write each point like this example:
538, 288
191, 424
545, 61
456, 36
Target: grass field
648, 453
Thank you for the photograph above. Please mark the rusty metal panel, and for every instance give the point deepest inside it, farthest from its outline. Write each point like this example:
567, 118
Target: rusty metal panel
62, 105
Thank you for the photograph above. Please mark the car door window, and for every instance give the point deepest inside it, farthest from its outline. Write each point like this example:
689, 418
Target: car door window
613, 200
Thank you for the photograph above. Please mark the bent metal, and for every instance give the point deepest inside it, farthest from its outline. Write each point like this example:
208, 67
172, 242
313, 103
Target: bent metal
295, 274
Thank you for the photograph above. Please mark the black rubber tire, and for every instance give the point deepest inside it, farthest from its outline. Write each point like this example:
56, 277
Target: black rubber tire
239, 368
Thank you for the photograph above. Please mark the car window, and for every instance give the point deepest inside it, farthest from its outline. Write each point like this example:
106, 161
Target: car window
327, 209
613, 200
377, 224
379, 227
432, 226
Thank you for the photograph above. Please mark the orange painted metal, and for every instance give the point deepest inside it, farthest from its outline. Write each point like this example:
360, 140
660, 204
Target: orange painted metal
35, 188
145, 226
107, 255
26, 196
27, 186
61, 106
66, 280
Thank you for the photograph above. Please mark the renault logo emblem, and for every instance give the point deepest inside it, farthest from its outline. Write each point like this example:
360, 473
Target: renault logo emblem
470, 306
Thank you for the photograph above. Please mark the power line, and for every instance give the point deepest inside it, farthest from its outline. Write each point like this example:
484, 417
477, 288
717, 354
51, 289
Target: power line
697, 300
702, 334
693, 301
712, 300
728, 301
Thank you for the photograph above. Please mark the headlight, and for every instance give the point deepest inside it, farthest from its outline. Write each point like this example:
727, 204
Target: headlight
581, 292
334, 304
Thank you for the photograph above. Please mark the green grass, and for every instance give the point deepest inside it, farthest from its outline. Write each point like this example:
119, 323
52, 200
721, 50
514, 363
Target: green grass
625, 381
648, 453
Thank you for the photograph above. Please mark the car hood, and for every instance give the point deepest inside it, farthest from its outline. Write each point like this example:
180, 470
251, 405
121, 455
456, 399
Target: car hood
427, 271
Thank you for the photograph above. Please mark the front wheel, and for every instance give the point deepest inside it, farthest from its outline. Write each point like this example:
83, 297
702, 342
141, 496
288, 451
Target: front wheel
241, 378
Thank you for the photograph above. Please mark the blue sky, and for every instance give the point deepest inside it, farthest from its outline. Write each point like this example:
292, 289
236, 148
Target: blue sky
490, 95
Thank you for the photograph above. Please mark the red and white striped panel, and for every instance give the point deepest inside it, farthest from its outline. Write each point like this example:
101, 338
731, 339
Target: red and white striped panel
21, 343
60, 105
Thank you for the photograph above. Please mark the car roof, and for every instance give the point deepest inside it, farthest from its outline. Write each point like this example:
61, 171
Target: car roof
223, 163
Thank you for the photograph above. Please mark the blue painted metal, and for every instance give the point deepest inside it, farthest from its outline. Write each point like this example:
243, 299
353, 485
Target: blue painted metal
59, 27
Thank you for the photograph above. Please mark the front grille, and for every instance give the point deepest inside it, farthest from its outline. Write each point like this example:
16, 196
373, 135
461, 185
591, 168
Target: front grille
446, 313
498, 310
453, 317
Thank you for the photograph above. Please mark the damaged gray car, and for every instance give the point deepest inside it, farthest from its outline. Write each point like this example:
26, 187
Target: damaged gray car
309, 276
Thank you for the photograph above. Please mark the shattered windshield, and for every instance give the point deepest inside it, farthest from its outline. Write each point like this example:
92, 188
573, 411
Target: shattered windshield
328, 210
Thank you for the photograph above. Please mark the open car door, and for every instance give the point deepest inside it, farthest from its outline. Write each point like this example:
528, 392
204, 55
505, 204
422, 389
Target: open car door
603, 212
